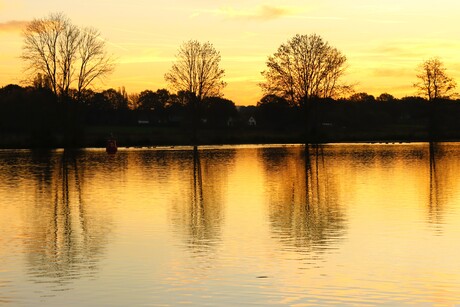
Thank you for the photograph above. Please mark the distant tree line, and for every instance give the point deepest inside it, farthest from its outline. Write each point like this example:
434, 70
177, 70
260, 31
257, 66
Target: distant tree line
25, 108
39, 113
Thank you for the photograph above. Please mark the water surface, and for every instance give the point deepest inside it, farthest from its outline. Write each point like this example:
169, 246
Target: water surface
231, 225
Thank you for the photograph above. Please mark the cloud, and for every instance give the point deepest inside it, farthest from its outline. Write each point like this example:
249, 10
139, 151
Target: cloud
13, 26
418, 50
270, 12
401, 50
392, 72
262, 13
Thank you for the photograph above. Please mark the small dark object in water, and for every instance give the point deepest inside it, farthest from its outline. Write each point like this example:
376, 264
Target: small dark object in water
111, 146
263, 276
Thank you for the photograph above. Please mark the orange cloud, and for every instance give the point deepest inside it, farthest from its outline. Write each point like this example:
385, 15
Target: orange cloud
13, 26
269, 12
263, 13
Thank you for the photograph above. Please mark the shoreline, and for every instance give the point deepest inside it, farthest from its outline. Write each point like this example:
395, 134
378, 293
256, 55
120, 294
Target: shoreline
151, 136
217, 145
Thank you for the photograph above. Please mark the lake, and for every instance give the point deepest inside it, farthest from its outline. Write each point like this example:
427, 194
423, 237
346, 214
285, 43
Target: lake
345, 224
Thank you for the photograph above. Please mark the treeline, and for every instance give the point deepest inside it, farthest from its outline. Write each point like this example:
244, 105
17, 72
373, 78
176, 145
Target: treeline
36, 117
33, 108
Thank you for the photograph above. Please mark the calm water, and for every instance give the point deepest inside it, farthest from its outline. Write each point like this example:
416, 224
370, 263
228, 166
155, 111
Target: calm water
245, 225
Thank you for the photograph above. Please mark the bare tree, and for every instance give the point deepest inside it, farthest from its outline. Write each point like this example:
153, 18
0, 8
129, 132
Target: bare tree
93, 58
197, 74
58, 51
197, 70
434, 82
41, 46
303, 68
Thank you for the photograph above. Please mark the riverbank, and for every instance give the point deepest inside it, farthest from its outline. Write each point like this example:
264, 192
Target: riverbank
134, 136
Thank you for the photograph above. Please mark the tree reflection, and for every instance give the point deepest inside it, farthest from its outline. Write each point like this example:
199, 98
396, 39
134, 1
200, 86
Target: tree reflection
305, 213
434, 208
65, 241
443, 177
201, 229
199, 213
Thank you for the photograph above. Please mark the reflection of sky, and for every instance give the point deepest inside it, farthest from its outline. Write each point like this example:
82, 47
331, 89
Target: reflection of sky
382, 240
383, 41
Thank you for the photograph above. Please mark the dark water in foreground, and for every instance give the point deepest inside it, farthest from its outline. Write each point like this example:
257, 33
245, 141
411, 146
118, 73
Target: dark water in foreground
239, 225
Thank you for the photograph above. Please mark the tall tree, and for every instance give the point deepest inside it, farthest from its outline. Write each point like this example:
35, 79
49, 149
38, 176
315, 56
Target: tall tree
197, 70
62, 53
434, 83
197, 74
304, 68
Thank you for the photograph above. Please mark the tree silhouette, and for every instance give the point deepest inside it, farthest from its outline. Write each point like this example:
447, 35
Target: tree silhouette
361, 97
57, 51
274, 111
219, 110
197, 70
434, 83
198, 74
304, 68
385, 97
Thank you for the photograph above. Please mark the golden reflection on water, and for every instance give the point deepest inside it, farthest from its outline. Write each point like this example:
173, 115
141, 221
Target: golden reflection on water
444, 169
337, 224
198, 211
62, 236
304, 205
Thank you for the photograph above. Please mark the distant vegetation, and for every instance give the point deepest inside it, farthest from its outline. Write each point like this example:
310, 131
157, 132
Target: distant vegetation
305, 99
34, 117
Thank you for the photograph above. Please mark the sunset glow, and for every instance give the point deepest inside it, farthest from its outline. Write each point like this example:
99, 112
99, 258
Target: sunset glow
383, 41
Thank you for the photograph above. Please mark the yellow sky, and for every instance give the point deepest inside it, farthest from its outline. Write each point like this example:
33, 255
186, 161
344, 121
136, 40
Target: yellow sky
384, 41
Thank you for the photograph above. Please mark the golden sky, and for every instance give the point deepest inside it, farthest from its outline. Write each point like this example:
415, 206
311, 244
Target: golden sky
384, 41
